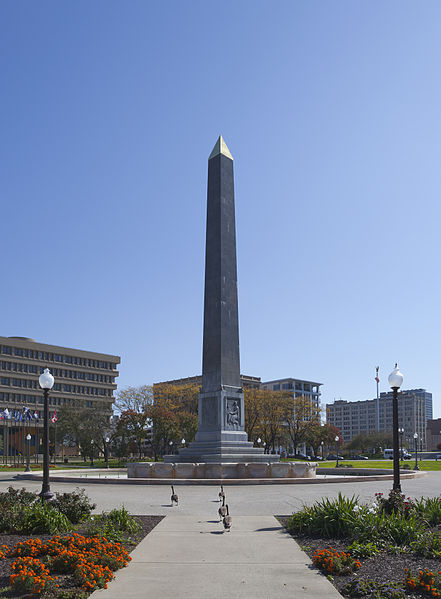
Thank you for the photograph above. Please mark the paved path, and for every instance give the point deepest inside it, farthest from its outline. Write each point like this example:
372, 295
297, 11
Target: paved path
265, 500
187, 557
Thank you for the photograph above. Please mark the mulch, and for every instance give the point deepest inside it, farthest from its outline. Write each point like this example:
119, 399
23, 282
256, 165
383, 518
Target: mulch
384, 567
67, 582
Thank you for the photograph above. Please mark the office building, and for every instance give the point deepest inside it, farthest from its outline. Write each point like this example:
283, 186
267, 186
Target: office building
434, 435
246, 381
79, 375
355, 417
299, 388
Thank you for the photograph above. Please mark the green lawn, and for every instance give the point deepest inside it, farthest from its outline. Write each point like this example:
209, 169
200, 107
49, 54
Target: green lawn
387, 464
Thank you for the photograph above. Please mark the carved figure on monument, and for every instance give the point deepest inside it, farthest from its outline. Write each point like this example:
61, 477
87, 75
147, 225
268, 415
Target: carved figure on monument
233, 413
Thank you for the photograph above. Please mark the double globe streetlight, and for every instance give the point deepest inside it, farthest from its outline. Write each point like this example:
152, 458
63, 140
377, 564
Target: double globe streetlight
395, 381
46, 381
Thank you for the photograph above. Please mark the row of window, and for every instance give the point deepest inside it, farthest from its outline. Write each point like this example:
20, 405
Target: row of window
48, 356
21, 399
57, 372
30, 384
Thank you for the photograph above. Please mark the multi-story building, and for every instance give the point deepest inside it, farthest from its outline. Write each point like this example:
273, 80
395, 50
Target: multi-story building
299, 388
355, 417
247, 381
79, 375
434, 435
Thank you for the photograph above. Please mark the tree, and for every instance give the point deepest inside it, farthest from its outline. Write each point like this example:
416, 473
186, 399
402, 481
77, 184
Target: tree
302, 416
134, 398
370, 441
78, 425
274, 411
172, 415
253, 400
132, 427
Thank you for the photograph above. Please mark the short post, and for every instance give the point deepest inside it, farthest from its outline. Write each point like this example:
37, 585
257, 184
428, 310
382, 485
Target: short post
106, 451
401, 431
415, 436
337, 439
91, 453
28, 453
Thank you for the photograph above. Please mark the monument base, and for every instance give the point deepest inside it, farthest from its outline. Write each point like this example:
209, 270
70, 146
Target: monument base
221, 471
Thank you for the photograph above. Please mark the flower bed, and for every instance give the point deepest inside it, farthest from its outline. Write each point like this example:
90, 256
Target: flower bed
396, 541
65, 565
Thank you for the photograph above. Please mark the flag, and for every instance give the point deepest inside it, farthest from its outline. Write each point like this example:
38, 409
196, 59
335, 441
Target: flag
27, 413
377, 379
54, 417
36, 415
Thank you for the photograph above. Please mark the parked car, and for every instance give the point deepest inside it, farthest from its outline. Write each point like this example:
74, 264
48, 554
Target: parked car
302, 456
438, 457
359, 457
334, 457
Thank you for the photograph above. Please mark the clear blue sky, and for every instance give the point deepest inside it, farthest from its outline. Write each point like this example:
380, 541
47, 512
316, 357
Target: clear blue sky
109, 111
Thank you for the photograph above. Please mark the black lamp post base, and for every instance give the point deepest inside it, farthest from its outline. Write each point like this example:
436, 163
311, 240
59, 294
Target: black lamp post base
416, 467
47, 496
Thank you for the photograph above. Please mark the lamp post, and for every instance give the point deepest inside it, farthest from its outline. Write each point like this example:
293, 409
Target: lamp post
395, 381
183, 442
415, 436
322, 444
259, 441
46, 381
337, 439
171, 446
28, 453
91, 452
401, 433
106, 450
264, 447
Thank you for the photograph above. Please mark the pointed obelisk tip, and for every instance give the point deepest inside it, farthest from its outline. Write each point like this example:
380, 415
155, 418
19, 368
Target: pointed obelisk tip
220, 147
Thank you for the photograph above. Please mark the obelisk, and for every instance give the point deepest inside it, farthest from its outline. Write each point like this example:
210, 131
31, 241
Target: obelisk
221, 435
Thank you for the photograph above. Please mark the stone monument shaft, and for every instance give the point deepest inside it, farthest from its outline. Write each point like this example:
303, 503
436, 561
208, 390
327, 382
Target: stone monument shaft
220, 362
221, 435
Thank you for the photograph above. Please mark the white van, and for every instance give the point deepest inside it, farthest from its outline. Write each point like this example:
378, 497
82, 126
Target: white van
389, 454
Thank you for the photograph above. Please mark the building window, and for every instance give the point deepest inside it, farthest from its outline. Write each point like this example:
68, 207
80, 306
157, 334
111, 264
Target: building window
276, 387
18, 351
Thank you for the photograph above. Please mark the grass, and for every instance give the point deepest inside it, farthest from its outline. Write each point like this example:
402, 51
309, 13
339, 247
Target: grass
386, 464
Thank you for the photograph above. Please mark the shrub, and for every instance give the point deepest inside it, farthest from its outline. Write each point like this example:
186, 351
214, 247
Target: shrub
92, 576
362, 550
427, 545
395, 503
90, 559
76, 506
29, 575
328, 517
42, 518
391, 529
113, 525
373, 590
430, 509
13, 497
427, 582
333, 562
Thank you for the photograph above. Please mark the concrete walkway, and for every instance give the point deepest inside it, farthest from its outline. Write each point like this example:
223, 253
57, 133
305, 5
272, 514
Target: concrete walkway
190, 558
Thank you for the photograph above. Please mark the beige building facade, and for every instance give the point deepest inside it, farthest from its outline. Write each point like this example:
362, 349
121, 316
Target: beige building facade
79, 375
356, 417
